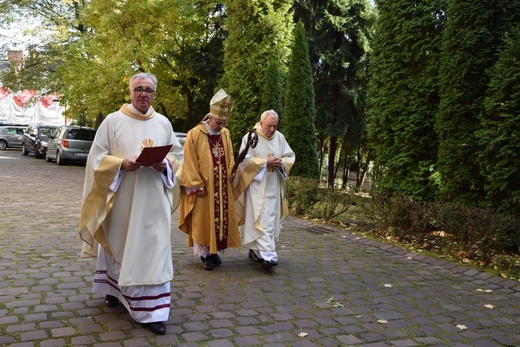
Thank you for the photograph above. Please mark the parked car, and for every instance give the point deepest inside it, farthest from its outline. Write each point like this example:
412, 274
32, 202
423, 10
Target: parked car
11, 136
181, 137
35, 139
70, 143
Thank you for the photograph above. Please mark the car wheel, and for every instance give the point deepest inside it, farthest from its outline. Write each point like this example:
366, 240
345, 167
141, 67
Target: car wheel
37, 152
59, 159
24, 150
3, 145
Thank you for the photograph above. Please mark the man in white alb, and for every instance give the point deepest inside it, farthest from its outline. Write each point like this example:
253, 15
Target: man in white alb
127, 207
259, 189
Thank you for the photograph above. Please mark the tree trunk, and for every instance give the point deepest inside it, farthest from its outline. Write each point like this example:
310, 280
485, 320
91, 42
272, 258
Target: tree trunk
332, 156
361, 179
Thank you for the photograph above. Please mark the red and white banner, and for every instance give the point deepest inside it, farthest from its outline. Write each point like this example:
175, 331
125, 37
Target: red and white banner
24, 97
16, 109
4, 92
48, 100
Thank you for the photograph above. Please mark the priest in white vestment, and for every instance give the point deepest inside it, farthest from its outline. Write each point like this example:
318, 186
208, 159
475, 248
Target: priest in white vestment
259, 189
127, 207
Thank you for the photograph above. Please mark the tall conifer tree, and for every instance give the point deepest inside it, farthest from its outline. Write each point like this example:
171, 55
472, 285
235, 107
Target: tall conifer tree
300, 108
338, 34
403, 95
500, 134
272, 96
258, 32
473, 36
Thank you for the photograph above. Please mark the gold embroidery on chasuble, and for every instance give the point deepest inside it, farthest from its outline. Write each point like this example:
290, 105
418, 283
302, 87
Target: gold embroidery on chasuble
221, 189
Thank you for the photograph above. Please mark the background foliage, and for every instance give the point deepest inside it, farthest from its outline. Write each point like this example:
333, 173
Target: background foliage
419, 96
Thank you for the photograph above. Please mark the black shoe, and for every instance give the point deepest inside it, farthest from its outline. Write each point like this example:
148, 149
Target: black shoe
111, 301
215, 258
252, 255
207, 263
156, 327
267, 264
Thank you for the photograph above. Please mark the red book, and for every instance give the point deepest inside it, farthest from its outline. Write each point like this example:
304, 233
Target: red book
151, 155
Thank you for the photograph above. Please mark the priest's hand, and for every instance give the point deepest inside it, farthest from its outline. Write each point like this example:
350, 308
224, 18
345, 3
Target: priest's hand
130, 164
273, 163
161, 166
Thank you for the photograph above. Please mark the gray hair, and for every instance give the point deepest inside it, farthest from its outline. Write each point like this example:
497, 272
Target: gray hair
269, 113
144, 75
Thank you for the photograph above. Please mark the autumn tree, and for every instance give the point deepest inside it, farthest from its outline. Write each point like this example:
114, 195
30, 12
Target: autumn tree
53, 25
107, 41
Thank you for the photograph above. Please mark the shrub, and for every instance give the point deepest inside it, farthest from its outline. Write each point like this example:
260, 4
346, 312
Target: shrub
334, 203
472, 233
302, 195
482, 233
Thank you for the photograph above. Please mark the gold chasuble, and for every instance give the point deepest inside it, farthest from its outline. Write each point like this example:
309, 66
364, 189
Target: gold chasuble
208, 161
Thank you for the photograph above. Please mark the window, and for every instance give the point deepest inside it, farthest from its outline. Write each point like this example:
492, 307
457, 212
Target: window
81, 134
10, 131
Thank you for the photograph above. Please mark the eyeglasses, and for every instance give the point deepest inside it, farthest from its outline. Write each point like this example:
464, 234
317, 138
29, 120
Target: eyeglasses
140, 91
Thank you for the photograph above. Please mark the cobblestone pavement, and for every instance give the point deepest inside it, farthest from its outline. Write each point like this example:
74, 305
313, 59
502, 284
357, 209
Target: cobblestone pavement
331, 288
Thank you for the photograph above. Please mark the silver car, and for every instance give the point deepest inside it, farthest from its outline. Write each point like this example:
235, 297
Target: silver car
11, 136
70, 143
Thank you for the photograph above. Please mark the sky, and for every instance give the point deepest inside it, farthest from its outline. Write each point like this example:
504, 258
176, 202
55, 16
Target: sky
14, 38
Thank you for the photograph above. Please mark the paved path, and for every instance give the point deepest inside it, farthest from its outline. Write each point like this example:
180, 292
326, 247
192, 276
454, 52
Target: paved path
332, 288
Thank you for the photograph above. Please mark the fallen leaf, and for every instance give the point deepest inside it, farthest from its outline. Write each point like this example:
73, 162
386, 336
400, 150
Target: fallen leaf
489, 306
382, 321
302, 334
461, 327
334, 302
389, 285
409, 258
503, 275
